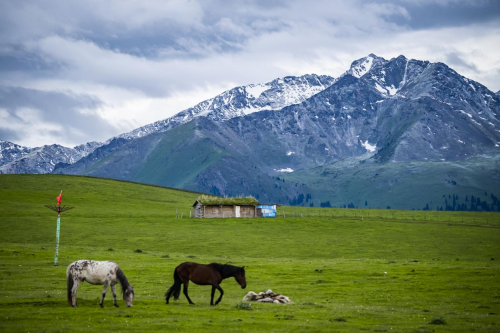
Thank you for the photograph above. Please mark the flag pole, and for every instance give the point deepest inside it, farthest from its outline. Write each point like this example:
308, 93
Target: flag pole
58, 228
59, 210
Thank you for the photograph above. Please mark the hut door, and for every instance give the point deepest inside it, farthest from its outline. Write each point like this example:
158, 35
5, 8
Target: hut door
237, 211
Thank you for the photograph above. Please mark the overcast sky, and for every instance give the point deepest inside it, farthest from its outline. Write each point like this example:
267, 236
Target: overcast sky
79, 71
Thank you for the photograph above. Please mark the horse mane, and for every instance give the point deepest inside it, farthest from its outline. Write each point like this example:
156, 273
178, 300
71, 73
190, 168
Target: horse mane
122, 279
226, 269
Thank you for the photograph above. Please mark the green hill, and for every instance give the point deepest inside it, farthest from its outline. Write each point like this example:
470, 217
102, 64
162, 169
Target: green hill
346, 270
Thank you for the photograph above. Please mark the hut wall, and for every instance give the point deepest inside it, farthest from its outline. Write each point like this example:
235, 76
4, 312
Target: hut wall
228, 211
222, 211
219, 211
198, 210
247, 211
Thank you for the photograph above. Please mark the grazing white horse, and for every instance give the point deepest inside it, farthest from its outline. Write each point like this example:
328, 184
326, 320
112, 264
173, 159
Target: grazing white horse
98, 272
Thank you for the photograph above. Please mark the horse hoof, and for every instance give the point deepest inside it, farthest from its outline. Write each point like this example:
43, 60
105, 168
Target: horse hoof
117, 305
102, 306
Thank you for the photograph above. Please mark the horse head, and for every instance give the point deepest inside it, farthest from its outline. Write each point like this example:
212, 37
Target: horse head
240, 277
128, 295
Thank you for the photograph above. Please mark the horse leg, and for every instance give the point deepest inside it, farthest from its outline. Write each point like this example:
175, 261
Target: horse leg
76, 283
221, 293
113, 290
185, 291
106, 285
212, 296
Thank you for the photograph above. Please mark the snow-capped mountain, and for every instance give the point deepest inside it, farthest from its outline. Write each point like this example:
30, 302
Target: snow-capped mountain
18, 159
241, 101
10, 151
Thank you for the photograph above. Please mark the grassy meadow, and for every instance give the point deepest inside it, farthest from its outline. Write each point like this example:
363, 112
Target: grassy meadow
345, 270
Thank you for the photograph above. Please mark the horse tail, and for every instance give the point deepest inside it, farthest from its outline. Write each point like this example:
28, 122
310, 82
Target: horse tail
70, 282
175, 289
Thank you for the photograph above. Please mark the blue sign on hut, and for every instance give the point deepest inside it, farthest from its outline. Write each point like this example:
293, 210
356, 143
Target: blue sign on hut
266, 210
207, 206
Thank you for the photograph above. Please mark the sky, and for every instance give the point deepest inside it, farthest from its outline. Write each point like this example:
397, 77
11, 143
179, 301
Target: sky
78, 71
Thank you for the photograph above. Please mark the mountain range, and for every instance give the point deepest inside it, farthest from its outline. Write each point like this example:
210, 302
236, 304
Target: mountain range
399, 133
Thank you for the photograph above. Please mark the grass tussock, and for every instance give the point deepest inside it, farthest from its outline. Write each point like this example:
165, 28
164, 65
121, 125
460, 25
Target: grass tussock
438, 321
243, 306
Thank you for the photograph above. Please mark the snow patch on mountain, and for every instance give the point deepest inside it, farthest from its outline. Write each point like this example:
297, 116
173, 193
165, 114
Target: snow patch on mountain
288, 170
364, 65
368, 146
361, 68
255, 90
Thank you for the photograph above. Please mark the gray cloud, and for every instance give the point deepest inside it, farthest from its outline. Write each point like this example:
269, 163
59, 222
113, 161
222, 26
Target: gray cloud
426, 14
65, 117
455, 59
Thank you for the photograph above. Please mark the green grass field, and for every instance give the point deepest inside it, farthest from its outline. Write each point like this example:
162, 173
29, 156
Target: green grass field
346, 270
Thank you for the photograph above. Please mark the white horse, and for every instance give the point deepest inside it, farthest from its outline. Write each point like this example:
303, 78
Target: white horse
98, 272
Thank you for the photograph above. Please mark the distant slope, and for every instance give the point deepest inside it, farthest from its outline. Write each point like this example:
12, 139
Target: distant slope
25, 195
408, 185
201, 155
209, 157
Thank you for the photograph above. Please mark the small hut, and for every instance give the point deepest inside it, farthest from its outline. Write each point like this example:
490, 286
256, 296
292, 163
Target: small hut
210, 207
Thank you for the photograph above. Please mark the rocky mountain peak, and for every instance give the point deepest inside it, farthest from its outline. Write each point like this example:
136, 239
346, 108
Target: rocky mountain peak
363, 65
10, 151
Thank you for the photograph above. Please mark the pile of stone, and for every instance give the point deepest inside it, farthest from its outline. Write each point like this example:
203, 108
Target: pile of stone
267, 297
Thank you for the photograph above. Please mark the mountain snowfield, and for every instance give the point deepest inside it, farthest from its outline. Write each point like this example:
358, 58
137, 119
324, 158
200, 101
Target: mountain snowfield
379, 112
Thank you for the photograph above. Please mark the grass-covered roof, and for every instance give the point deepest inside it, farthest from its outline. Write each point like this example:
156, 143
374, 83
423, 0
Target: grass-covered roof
211, 200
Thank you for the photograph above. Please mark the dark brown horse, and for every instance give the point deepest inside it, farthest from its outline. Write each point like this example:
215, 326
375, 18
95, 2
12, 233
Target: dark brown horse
211, 274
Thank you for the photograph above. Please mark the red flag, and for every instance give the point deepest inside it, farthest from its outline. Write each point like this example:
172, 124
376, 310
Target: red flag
59, 198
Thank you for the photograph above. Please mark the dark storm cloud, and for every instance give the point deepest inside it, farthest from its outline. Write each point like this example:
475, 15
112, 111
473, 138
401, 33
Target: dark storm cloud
455, 59
439, 14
